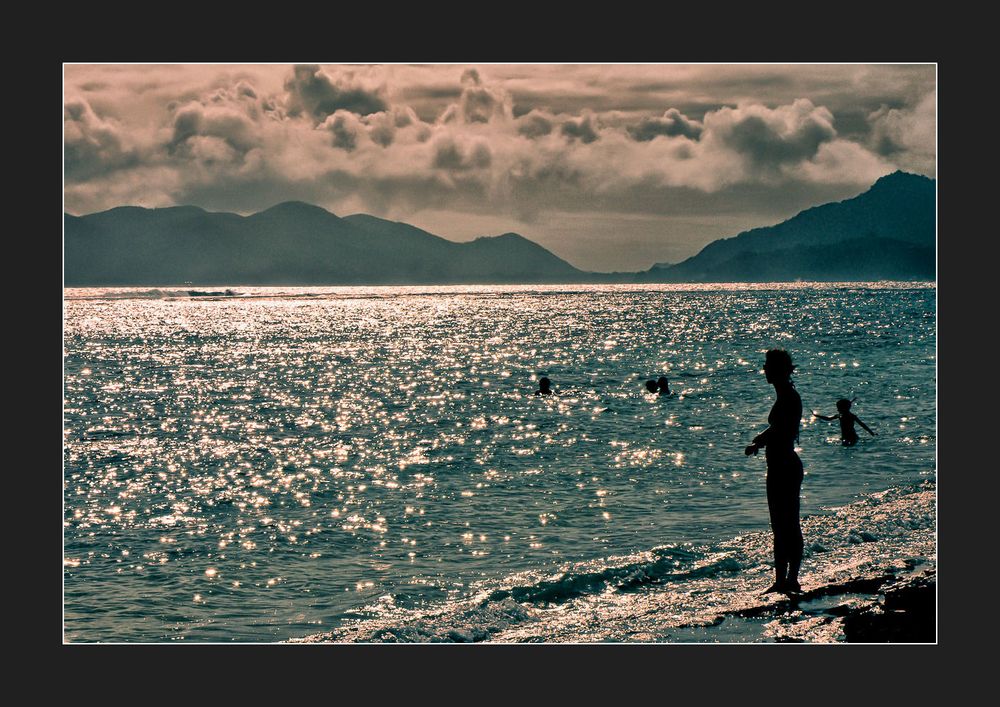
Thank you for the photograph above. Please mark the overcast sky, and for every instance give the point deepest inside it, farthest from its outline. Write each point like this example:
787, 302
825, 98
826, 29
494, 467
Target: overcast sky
611, 167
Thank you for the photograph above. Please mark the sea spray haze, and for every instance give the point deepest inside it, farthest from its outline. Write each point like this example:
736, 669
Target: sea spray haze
371, 464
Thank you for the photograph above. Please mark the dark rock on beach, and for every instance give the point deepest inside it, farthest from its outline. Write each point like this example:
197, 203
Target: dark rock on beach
907, 615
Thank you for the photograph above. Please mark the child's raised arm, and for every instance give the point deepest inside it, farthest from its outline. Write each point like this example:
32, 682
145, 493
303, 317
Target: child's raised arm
858, 419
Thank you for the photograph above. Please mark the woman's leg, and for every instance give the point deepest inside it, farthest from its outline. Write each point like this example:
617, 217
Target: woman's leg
775, 506
794, 531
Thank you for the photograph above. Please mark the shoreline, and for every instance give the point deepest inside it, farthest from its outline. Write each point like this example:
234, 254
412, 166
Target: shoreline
869, 576
887, 608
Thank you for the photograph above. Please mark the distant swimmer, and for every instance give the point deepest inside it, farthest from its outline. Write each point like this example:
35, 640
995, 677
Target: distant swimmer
847, 420
784, 471
544, 386
662, 386
651, 386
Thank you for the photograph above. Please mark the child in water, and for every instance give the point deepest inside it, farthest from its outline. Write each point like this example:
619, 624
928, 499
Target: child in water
544, 386
847, 420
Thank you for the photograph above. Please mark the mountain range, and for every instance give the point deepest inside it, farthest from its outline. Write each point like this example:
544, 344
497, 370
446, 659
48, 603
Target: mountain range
888, 232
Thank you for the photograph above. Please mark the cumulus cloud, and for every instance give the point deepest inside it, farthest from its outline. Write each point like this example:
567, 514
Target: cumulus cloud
907, 135
236, 134
450, 154
769, 138
581, 129
311, 91
671, 124
93, 145
535, 124
222, 123
478, 102
245, 90
842, 162
383, 126
345, 128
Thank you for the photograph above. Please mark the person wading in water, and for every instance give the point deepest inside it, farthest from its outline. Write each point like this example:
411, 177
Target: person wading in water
849, 436
784, 471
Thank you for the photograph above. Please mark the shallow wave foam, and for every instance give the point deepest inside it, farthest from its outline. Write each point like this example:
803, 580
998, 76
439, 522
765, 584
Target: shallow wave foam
659, 594
656, 567
121, 294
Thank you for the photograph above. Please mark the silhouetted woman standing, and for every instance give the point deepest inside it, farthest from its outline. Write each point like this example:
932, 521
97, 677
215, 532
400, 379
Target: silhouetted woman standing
784, 471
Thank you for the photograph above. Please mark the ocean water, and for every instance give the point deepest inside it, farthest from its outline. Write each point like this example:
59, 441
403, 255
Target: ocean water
371, 463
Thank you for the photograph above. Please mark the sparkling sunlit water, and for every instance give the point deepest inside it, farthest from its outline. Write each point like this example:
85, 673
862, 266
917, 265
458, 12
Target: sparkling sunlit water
267, 466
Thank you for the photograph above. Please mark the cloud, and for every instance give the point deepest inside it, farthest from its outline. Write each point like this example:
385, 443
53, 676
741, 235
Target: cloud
93, 145
907, 135
478, 102
769, 138
383, 126
841, 162
450, 154
671, 124
312, 92
581, 129
245, 90
535, 124
345, 128
234, 137
224, 123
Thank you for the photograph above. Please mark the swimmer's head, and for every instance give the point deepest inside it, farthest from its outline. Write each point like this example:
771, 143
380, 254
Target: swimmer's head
544, 383
651, 385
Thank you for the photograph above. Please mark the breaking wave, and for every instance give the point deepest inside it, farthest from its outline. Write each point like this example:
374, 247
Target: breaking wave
661, 593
